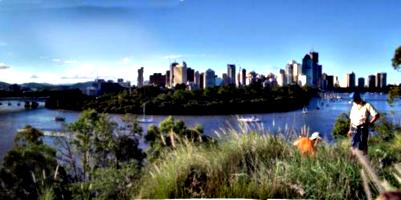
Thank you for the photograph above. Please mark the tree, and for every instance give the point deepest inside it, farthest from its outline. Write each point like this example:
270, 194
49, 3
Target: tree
31, 167
396, 61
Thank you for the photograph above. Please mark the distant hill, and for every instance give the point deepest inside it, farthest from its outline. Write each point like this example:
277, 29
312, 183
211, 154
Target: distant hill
46, 86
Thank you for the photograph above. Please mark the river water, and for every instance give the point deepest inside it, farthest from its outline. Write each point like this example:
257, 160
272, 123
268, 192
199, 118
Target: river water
14, 117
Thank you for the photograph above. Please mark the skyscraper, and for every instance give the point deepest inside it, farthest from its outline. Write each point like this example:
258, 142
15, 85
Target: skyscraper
307, 69
180, 74
140, 77
202, 80
282, 79
381, 80
209, 78
350, 80
190, 75
167, 78
172, 66
289, 72
231, 73
243, 77
157, 79
312, 69
371, 81
361, 83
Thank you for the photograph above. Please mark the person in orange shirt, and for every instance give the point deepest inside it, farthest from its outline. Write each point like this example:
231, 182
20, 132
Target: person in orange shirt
306, 145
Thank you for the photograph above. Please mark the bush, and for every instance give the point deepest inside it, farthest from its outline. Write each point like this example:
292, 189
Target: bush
341, 126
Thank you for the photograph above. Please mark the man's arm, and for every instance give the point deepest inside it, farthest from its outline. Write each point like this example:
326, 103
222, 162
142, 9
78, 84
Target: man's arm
374, 118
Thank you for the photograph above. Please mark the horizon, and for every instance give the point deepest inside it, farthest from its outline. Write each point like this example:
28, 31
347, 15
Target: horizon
66, 42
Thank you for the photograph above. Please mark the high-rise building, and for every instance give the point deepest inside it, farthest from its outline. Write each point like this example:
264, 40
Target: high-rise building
243, 77
307, 69
350, 80
381, 80
293, 70
140, 77
197, 79
330, 82
361, 82
180, 74
282, 79
209, 78
289, 72
172, 67
312, 69
231, 73
190, 75
202, 80
371, 81
226, 80
167, 78
157, 79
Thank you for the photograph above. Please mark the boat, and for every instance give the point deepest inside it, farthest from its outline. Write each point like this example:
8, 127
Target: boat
59, 118
304, 110
9, 104
145, 119
249, 119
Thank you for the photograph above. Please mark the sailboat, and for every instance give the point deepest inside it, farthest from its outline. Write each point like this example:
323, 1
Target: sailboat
144, 119
304, 110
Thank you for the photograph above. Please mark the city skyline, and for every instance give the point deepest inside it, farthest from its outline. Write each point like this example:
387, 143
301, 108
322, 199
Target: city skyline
76, 41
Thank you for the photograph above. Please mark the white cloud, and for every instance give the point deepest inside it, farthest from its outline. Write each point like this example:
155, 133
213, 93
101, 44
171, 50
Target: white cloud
126, 60
4, 66
60, 61
34, 77
173, 57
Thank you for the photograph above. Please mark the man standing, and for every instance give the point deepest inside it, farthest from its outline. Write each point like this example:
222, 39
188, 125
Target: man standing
362, 115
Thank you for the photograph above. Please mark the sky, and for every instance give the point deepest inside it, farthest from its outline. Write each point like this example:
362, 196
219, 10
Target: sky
68, 41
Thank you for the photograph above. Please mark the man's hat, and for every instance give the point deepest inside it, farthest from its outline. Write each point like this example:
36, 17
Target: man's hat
315, 135
356, 97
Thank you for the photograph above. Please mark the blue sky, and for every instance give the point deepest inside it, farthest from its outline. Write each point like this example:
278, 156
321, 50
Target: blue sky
65, 41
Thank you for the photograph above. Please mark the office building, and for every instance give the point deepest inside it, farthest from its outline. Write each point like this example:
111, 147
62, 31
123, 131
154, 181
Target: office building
140, 77
311, 69
231, 73
180, 74
281, 78
190, 75
371, 81
157, 79
209, 78
381, 80
361, 83
350, 78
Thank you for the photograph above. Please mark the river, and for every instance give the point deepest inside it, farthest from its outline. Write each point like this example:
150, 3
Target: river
14, 117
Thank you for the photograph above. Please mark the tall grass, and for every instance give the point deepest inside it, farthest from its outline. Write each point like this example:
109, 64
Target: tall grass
252, 165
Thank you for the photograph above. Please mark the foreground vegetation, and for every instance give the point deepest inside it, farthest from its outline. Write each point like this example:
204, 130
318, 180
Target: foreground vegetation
99, 161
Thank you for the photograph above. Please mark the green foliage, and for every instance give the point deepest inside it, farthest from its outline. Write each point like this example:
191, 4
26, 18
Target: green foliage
30, 167
396, 61
341, 126
170, 134
252, 166
218, 100
395, 92
97, 145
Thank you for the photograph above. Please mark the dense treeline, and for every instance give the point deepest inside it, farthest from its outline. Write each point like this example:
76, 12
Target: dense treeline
218, 100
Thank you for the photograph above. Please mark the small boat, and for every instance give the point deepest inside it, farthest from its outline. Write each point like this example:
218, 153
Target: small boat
145, 120
249, 119
59, 118
304, 110
9, 104
18, 104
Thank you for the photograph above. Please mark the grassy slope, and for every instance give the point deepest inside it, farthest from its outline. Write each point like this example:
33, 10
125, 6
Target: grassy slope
253, 166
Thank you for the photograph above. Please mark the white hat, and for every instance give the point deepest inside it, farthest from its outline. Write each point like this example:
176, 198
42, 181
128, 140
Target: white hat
315, 135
